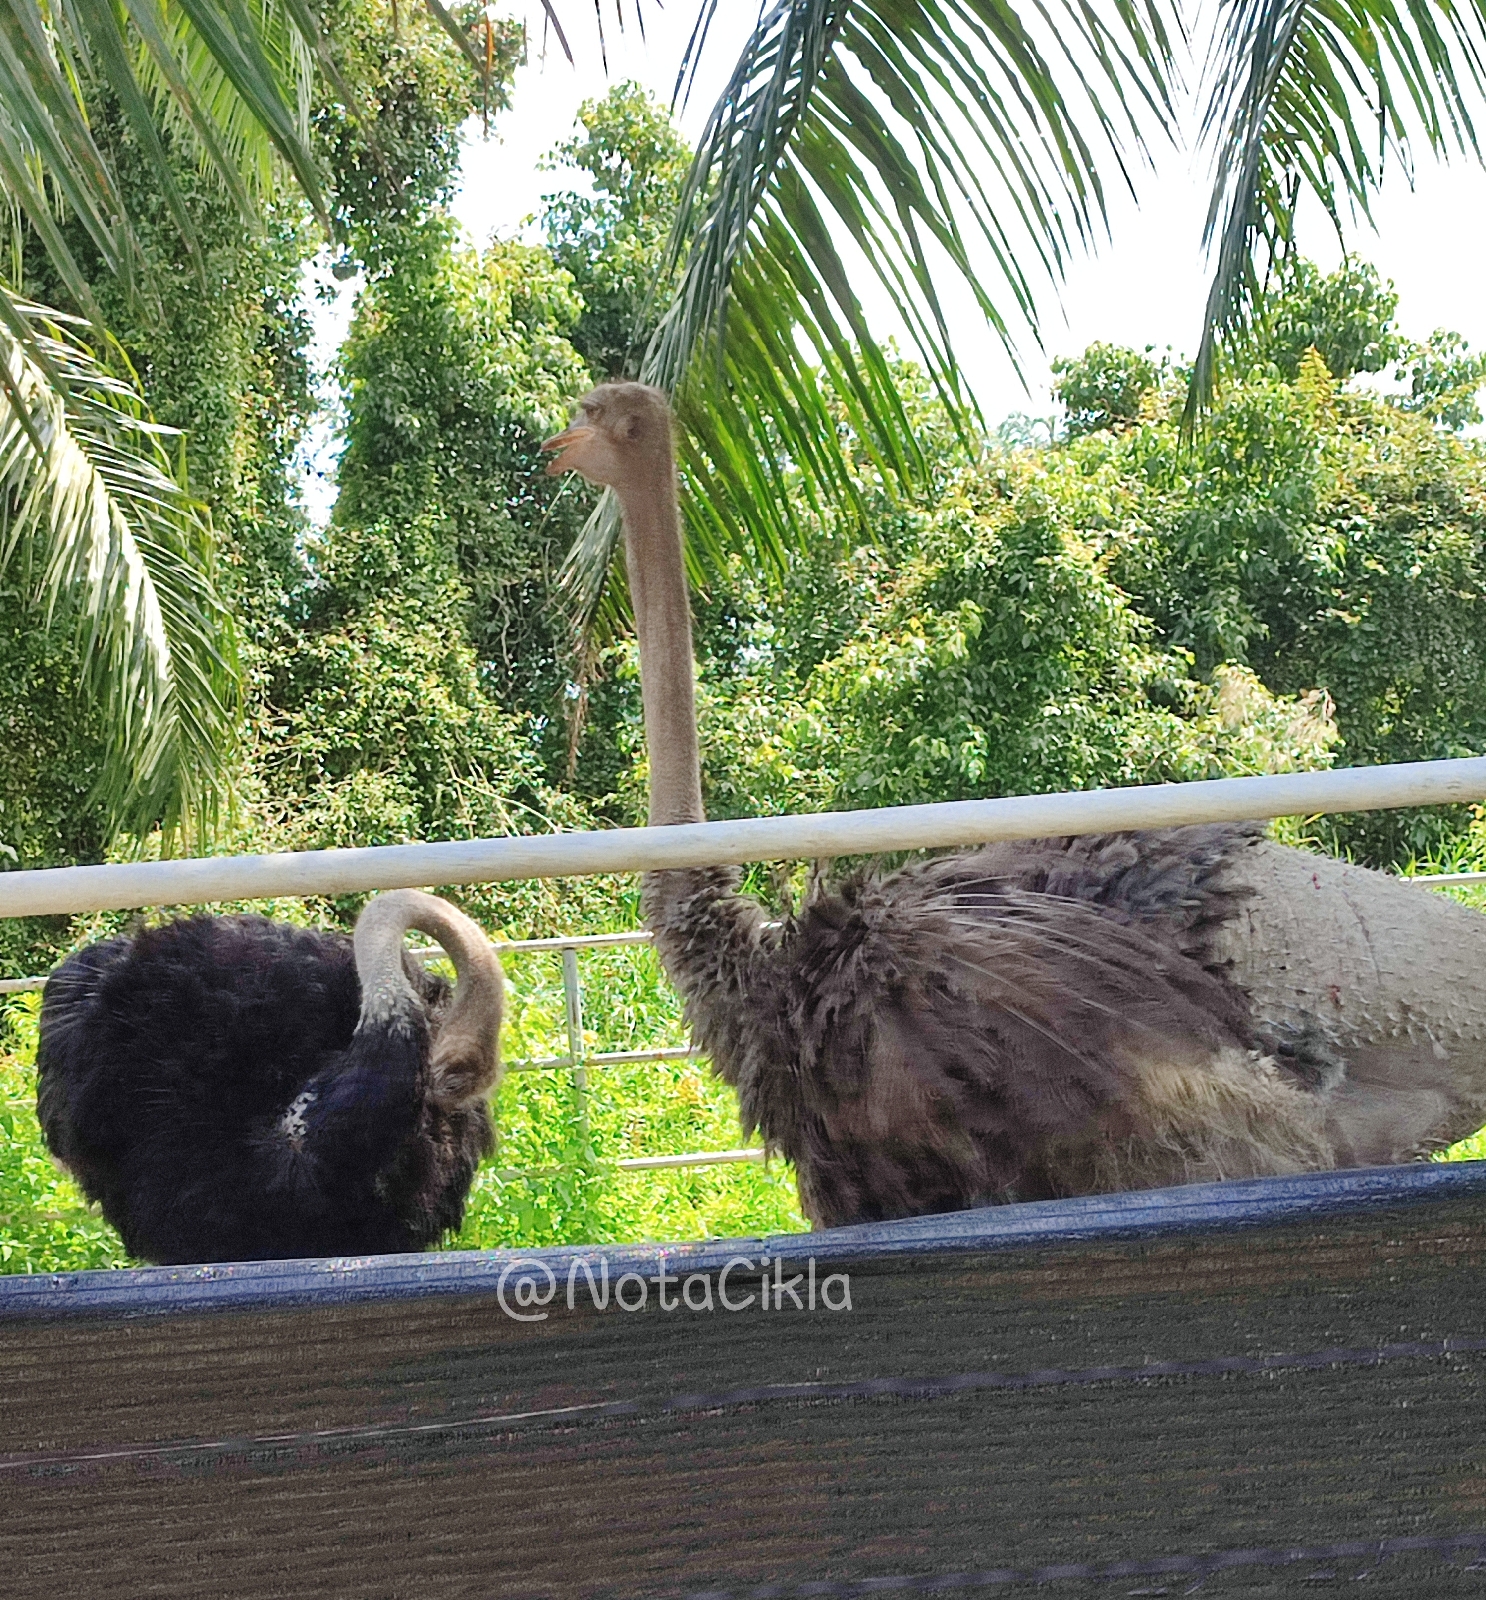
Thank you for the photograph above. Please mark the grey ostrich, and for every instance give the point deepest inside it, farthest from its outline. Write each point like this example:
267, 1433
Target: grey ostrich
1055, 1017
231, 1088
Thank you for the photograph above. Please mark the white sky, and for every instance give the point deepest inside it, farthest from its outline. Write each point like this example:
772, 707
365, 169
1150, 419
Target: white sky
1144, 286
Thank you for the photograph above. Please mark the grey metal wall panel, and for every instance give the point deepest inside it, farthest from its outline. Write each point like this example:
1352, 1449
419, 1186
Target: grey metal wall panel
1168, 1390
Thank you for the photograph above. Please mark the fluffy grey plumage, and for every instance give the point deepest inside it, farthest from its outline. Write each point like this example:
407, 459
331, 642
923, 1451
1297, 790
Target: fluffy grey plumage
969, 1029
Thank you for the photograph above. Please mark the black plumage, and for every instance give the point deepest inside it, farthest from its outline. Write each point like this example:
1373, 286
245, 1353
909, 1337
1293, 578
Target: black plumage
215, 1084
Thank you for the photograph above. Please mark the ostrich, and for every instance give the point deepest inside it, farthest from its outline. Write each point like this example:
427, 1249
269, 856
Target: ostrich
1045, 1018
230, 1088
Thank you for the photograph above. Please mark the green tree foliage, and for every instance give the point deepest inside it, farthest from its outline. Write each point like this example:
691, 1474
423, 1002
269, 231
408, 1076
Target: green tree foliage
229, 368
1103, 388
226, 368
992, 655
457, 365
1323, 537
613, 241
391, 144
964, 118
1346, 316
407, 693
1444, 380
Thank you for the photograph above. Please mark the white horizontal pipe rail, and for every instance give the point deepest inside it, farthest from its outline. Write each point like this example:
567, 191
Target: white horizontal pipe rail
61, 891
603, 1058
698, 1158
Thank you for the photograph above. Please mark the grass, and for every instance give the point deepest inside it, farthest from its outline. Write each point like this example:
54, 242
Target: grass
45, 1223
645, 1109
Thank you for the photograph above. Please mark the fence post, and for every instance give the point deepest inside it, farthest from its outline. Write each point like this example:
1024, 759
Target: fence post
572, 994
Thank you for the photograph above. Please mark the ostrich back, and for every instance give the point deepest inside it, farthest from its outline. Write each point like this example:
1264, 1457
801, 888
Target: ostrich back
168, 1069
1068, 1016
1387, 978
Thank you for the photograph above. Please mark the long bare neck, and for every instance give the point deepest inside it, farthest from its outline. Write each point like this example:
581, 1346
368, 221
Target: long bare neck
707, 934
465, 1060
657, 580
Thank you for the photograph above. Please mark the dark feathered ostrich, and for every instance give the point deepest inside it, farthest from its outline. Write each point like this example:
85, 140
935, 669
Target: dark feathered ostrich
1050, 1018
230, 1088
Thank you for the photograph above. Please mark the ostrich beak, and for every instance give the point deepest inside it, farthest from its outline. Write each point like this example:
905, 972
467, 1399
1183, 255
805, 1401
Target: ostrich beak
562, 443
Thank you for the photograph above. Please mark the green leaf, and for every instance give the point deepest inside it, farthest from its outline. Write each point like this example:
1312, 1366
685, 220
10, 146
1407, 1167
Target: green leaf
234, 79
240, 45
1310, 97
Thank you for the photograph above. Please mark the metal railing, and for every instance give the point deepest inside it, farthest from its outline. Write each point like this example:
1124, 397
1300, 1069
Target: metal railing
579, 1059
60, 891
70, 890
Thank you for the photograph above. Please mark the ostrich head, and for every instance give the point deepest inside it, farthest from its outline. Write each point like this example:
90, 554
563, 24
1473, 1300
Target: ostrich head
464, 1060
621, 437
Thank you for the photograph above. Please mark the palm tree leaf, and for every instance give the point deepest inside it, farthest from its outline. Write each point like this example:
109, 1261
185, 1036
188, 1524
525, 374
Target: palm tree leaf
236, 79
1293, 85
45, 131
110, 46
101, 534
197, 98
25, 188
188, 101
899, 138
241, 46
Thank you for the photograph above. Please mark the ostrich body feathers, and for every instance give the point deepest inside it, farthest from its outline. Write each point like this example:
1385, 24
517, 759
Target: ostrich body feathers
206, 1081
1033, 1020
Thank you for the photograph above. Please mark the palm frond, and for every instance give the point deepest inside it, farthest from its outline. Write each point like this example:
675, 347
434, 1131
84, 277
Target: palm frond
198, 100
100, 534
233, 76
1311, 97
264, 50
940, 138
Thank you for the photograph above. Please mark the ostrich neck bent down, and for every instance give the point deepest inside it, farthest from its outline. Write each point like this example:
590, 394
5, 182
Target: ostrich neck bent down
464, 1061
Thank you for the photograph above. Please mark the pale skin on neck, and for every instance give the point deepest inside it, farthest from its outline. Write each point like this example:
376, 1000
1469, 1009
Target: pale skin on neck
465, 1060
641, 470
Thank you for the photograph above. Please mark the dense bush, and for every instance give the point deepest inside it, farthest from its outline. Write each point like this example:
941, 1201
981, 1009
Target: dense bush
1327, 538
996, 657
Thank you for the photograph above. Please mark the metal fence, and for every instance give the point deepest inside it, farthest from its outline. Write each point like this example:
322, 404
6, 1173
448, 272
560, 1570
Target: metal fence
66, 890
578, 1059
